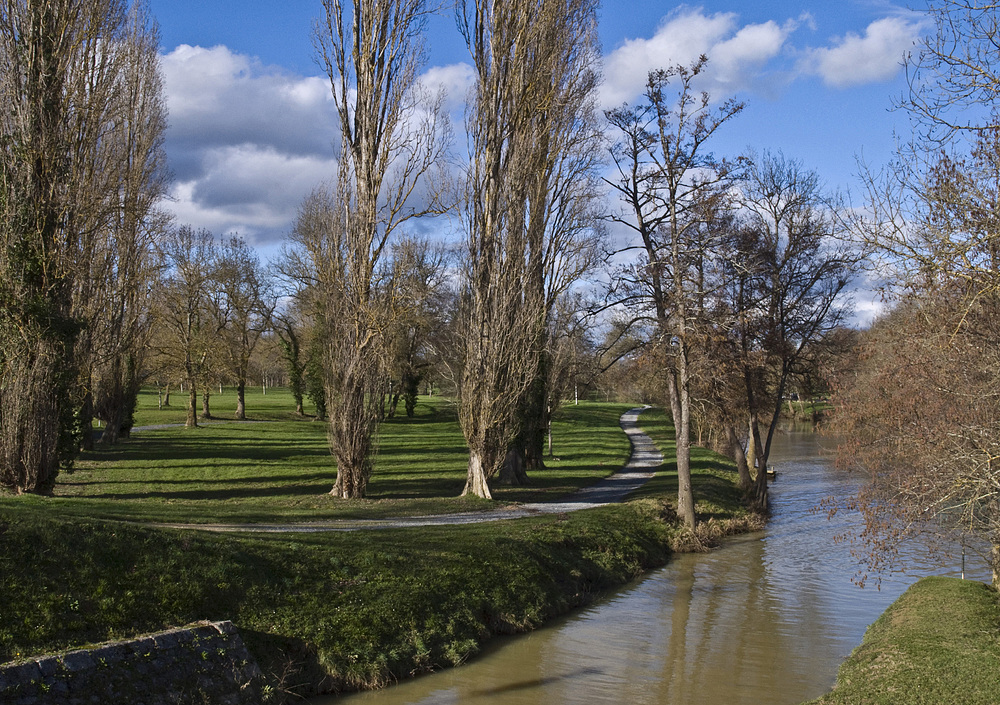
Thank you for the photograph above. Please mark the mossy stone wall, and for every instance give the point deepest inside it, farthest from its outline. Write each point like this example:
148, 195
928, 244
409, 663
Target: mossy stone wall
198, 664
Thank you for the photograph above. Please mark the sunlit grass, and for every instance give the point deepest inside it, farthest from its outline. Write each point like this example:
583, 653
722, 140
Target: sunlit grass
282, 470
938, 643
347, 609
273, 403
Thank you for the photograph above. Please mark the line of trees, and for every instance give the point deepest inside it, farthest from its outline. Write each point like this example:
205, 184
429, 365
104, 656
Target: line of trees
81, 172
728, 294
733, 279
488, 318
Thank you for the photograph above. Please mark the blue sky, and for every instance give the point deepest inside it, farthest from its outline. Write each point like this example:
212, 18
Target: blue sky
252, 126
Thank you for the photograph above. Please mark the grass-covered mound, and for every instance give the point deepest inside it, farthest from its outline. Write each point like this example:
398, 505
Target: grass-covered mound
938, 643
331, 610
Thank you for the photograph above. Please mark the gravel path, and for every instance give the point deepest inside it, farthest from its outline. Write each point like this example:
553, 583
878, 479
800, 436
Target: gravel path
641, 466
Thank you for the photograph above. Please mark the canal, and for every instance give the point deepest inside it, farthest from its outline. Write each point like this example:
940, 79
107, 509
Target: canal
767, 618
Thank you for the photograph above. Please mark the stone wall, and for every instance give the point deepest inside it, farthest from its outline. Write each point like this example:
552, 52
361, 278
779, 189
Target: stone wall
195, 665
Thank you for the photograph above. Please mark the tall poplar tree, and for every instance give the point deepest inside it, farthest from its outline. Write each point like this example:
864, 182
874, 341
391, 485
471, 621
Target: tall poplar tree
533, 63
390, 139
66, 132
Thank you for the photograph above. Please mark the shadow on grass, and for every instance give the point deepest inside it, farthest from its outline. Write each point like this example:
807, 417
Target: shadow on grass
284, 490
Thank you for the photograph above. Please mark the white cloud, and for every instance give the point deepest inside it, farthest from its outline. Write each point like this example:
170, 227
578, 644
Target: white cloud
736, 54
246, 142
682, 38
456, 80
735, 59
249, 190
856, 60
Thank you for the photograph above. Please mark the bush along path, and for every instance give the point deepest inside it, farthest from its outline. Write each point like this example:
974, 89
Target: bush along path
641, 466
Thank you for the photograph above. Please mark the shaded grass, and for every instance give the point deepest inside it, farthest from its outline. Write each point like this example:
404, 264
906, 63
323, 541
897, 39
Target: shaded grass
332, 611
938, 643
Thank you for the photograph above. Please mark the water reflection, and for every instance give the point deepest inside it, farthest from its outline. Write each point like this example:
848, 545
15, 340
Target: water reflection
767, 619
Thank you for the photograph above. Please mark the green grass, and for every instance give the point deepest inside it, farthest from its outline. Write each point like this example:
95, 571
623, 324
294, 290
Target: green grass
353, 610
327, 611
938, 643
282, 470
273, 404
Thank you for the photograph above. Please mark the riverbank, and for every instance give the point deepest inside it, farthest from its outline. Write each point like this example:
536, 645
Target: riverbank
938, 643
338, 611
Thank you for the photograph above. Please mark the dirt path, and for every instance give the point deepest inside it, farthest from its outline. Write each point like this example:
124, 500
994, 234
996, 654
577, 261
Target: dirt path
641, 465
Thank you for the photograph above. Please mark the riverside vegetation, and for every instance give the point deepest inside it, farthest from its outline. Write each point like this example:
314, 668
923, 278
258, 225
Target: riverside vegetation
331, 611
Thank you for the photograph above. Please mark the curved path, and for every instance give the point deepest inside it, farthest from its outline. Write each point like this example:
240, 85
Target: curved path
641, 466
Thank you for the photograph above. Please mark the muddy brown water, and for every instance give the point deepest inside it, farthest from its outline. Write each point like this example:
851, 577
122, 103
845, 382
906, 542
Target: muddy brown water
768, 618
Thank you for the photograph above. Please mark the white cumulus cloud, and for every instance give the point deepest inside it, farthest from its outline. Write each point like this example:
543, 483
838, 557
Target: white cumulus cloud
736, 53
246, 142
870, 58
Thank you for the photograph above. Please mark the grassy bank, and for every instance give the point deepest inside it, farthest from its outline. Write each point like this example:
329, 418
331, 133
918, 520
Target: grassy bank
333, 611
938, 643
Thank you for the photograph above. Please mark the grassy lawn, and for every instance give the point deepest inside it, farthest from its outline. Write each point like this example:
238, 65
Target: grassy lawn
328, 611
272, 404
938, 643
282, 470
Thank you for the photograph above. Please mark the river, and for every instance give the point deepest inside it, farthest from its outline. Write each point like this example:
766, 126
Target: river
767, 618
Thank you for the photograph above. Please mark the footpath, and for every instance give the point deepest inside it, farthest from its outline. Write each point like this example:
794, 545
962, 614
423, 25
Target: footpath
641, 466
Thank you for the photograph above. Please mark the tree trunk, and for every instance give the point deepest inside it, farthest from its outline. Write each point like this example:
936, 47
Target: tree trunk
681, 411
534, 418
241, 405
758, 492
739, 456
206, 412
512, 472
353, 414
166, 395
995, 564
86, 421
192, 411
475, 482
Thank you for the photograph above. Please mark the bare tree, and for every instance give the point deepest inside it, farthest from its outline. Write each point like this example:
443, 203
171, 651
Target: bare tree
563, 229
418, 282
918, 415
670, 186
389, 141
953, 76
187, 334
242, 302
533, 60
930, 368
789, 273
82, 116
125, 261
